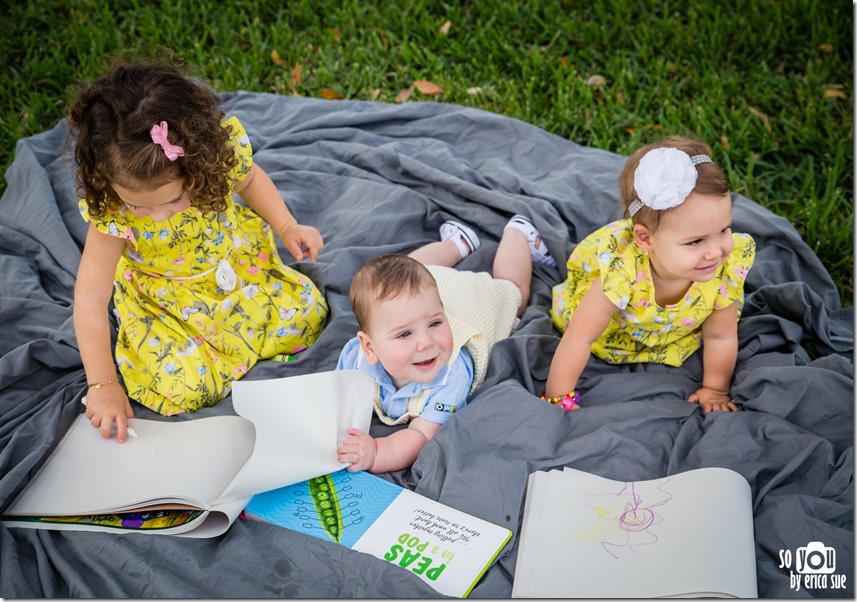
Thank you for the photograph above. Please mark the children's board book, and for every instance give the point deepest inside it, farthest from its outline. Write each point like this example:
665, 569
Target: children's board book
687, 535
194, 477
446, 548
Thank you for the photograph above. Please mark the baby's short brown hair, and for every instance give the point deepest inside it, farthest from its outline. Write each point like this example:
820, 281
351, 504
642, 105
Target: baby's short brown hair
383, 278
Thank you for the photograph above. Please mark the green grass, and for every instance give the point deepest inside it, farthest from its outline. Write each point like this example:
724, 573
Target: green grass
750, 77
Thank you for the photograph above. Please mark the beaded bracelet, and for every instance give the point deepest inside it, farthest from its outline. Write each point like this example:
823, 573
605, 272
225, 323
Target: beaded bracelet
567, 402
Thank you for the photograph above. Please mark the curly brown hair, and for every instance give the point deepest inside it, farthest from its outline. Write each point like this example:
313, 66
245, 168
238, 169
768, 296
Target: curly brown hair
383, 278
110, 120
710, 178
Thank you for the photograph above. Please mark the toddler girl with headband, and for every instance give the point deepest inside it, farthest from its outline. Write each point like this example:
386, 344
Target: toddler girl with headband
199, 290
660, 284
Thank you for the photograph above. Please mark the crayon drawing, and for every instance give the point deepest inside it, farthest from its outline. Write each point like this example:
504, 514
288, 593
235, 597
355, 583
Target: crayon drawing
627, 519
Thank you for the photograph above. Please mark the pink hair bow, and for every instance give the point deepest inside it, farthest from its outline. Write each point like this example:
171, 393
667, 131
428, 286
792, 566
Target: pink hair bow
159, 136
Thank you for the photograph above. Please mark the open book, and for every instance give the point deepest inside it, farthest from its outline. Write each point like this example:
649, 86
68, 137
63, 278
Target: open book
446, 548
194, 477
686, 535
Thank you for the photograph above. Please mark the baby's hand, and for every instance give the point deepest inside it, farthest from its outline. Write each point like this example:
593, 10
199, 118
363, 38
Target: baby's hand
359, 449
711, 400
105, 406
296, 237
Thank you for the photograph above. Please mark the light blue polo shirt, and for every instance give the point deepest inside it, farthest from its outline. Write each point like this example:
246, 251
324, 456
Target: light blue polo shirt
449, 389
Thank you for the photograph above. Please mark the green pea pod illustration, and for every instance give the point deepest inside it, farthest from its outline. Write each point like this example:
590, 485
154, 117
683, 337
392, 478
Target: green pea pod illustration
326, 500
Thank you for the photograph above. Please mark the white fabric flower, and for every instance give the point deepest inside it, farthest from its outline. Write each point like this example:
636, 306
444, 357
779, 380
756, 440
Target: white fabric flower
664, 178
225, 276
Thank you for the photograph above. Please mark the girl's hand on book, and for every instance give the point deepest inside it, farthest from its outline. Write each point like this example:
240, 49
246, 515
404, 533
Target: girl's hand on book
108, 405
711, 400
359, 449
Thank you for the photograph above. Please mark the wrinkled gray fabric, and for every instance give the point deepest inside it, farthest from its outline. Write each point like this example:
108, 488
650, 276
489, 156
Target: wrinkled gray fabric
378, 178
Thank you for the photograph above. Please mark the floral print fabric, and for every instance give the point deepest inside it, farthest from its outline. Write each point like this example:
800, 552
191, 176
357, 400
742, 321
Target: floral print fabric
641, 331
182, 338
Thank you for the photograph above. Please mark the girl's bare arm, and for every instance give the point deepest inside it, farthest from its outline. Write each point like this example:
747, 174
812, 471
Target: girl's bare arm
94, 287
262, 196
588, 322
719, 354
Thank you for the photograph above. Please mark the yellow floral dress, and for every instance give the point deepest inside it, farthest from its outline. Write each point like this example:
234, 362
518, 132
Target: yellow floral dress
183, 338
641, 331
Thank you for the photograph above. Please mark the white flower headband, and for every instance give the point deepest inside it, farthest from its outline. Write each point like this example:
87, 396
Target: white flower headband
664, 178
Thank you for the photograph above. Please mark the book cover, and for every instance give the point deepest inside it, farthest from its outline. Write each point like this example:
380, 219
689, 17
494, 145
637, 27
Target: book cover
194, 477
585, 536
448, 549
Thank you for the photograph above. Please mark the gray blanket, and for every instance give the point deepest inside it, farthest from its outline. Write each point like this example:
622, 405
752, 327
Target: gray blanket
378, 178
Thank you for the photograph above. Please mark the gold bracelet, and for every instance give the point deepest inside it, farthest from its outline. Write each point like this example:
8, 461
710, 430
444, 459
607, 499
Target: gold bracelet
99, 385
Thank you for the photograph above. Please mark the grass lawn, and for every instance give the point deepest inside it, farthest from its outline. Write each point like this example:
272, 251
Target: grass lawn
768, 83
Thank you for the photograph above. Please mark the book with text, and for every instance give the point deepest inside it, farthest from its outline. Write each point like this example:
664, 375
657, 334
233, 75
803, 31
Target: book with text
584, 536
446, 548
193, 477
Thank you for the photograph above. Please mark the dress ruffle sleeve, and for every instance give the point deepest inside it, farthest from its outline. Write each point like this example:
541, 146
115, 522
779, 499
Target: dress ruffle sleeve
734, 271
617, 264
114, 222
243, 150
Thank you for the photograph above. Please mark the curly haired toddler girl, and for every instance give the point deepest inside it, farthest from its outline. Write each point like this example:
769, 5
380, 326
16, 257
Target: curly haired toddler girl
199, 289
